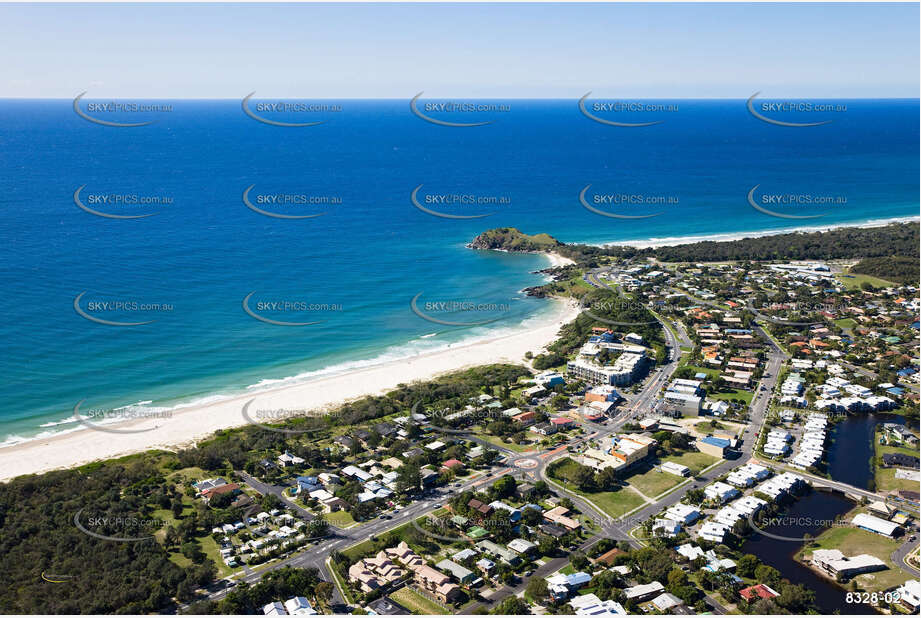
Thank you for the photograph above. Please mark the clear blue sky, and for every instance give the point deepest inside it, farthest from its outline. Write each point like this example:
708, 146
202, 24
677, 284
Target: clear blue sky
459, 50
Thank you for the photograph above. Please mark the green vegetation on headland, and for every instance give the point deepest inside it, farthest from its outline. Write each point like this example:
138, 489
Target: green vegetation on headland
897, 239
511, 239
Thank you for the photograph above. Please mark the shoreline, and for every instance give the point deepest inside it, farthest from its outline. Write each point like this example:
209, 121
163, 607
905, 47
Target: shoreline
188, 424
671, 241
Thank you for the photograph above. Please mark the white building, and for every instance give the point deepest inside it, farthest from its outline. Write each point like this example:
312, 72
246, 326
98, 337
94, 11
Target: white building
682, 513
875, 524
299, 606
720, 492
675, 468
713, 531
591, 605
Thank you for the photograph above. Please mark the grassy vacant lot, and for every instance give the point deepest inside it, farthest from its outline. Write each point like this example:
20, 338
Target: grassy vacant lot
412, 600
885, 480
614, 503
735, 393
885, 477
711, 373
654, 482
853, 281
211, 549
340, 519
693, 460
496, 440
854, 541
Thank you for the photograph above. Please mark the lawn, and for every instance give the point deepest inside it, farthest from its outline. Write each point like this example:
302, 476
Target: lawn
356, 551
846, 323
418, 604
496, 440
615, 503
187, 475
340, 519
885, 480
885, 477
693, 460
712, 373
734, 393
854, 541
211, 549
654, 482
853, 281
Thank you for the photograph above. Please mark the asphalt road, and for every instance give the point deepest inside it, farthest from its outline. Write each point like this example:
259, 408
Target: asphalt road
619, 529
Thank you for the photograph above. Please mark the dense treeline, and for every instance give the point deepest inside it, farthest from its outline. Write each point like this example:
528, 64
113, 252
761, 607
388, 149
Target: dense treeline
88, 575
897, 268
899, 239
842, 243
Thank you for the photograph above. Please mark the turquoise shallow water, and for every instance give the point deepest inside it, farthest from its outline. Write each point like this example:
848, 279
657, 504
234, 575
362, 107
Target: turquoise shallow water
372, 250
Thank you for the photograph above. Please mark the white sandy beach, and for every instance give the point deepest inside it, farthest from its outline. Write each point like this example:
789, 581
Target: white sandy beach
187, 425
671, 241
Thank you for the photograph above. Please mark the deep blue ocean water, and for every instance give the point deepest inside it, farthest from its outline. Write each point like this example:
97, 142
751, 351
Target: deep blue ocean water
369, 255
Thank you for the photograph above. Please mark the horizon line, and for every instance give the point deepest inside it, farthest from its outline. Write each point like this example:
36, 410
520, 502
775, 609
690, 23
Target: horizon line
766, 98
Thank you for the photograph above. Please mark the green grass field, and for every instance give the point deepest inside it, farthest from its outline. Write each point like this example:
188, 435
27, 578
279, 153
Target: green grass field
735, 393
654, 482
885, 477
854, 541
211, 549
693, 460
614, 503
853, 281
496, 440
340, 519
711, 373
846, 323
885, 480
418, 604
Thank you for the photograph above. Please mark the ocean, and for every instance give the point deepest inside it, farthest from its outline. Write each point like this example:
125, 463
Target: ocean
353, 268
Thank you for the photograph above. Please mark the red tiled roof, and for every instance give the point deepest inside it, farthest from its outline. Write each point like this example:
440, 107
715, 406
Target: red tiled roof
759, 591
